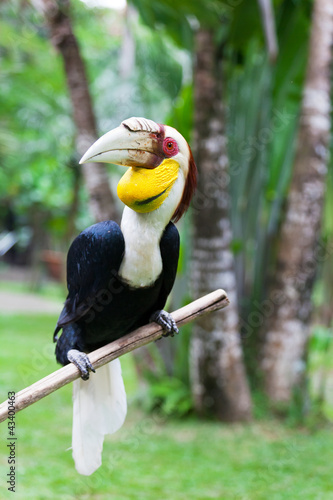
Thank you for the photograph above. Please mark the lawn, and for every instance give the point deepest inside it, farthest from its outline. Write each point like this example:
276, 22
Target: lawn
46, 288
151, 457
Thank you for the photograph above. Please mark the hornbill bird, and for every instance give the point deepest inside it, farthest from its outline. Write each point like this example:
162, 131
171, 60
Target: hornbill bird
119, 277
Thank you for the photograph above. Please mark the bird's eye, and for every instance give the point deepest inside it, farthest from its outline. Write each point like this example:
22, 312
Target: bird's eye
170, 147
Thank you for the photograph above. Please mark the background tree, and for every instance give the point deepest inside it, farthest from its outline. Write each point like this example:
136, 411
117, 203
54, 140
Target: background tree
299, 250
261, 148
219, 380
62, 36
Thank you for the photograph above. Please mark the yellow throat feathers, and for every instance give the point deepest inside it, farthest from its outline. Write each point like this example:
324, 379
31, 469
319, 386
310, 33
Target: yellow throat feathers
143, 189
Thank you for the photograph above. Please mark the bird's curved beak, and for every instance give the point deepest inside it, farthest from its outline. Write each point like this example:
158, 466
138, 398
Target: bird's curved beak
122, 146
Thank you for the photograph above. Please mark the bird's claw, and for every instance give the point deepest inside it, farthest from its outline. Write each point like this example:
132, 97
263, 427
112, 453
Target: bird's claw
166, 321
81, 361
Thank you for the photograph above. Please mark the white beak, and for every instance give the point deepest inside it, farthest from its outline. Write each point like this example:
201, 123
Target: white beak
122, 146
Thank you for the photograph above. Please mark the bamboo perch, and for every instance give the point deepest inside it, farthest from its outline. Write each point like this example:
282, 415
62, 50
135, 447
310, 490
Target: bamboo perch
142, 336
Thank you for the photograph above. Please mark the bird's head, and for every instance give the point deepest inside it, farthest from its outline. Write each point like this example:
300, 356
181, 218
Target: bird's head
161, 166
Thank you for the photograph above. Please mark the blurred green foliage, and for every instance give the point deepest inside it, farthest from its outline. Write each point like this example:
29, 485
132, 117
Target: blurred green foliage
37, 133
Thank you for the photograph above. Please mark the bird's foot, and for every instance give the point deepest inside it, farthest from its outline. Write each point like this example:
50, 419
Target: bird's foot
81, 361
166, 321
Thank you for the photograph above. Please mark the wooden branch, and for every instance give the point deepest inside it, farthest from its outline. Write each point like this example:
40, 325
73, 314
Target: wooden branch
142, 336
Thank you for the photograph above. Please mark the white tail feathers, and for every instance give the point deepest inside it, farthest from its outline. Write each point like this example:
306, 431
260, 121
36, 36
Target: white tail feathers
99, 408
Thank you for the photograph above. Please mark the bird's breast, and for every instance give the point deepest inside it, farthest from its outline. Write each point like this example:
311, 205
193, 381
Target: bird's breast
140, 268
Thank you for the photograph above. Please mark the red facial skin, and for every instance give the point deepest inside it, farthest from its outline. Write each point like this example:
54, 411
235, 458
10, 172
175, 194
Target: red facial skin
170, 147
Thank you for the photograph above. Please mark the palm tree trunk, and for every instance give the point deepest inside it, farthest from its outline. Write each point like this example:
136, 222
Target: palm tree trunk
218, 376
63, 38
268, 21
287, 328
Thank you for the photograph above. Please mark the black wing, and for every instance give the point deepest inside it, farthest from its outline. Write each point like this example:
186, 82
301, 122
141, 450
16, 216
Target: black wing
169, 247
92, 260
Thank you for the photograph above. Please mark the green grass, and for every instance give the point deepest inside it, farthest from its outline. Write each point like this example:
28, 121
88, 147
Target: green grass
149, 458
49, 289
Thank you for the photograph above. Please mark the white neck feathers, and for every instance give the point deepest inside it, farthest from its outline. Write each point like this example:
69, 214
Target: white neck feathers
142, 262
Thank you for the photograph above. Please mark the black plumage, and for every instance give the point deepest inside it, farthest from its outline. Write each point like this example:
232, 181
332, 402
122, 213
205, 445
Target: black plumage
100, 307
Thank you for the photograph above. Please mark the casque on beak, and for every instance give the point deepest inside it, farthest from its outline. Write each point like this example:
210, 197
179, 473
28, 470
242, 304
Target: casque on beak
122, 146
